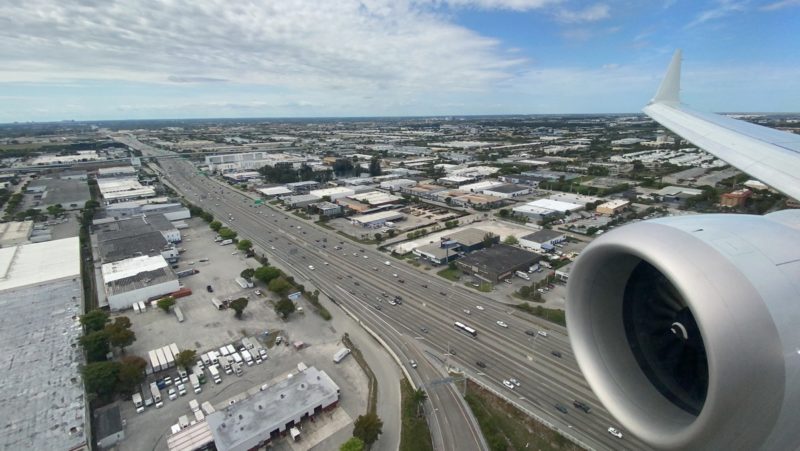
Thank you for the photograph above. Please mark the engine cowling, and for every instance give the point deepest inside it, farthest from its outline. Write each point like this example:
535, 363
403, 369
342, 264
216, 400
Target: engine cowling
688, 329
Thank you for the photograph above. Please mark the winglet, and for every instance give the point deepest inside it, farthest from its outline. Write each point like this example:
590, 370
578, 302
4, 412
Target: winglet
669, 90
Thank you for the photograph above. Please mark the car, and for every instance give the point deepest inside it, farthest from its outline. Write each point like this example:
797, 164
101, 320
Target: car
401, 280
209, 289
394, 275
258, 292
542, 333
387, 263
466, 311
508, 384
530, 332
502, 324
561, 408
424, 329
556, 353
355, 254
173, 395
413, 363
374, 268
480, 364
581, 405
356, 283
377, 307
424, 285
311, 267
479, 307
514, 381
272, 248
615, 432
366, 256
392, 302
443, 293
325, 263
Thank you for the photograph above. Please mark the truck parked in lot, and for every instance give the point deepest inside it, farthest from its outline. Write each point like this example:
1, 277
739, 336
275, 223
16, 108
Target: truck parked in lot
154, 361
207, 408
195, 381
225, 364
137, 402
214, 374
248, 359
162, 359
522, 275
156, 394
244, 283
225, 242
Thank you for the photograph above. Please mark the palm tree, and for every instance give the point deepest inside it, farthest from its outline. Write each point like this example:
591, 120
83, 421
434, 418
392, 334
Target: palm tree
419, 396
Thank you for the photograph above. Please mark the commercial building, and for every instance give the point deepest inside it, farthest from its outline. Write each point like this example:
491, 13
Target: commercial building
137, 279
327, 208
14, 233
677, 193
116, 171
302, 187
81, 155
123, 189
542, 241
108, 426
171, 211
375, 220
275, 191
131, 237
455, 180
397, 185
542, 208
507, 191
376, 198
242, 176
480, 187
332, 193
612, 207
162, 224
454, 246
43, 402
266, 415
497, 262
70, 194
302, 200
735, 198
251, 161
424, 190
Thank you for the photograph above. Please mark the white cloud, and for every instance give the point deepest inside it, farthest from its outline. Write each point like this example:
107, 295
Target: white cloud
780, 5
592, 13
347, 45
722, 9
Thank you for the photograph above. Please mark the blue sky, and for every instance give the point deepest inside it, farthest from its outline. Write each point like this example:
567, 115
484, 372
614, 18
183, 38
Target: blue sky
89, 59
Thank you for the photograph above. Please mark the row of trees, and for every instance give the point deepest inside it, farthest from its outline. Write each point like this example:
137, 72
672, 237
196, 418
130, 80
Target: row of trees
100, 334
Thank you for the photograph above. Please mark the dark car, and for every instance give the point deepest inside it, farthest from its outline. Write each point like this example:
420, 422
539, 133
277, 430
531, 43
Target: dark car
377, 307
530, 332
443, 293
210, 290
401, 281
480, 364
561, 408
424, 329
556, 353
581, 405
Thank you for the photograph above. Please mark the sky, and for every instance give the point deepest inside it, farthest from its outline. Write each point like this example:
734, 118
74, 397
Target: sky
108, 59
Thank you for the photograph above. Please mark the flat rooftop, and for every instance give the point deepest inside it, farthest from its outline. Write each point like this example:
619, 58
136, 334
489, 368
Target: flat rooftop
59, 191
499, 258
35, 263
42, 404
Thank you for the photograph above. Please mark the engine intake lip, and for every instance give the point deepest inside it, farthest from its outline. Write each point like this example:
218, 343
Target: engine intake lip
734, 326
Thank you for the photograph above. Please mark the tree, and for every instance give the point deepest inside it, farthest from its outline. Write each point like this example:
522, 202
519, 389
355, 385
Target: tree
418, 397
120, 334
375, 166
244, 245
488, 240
130, 373
267, 273
166, 303
284, 307
504, 212
94, 320
186, 358
100, 378
354, 444
368, 427
96, 345
511, 240
238, 306
248, 273
55, 210
226, 233
279, 285
215, 225
378, 236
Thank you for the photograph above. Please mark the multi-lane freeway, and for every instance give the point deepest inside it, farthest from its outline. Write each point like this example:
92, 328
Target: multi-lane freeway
422, 327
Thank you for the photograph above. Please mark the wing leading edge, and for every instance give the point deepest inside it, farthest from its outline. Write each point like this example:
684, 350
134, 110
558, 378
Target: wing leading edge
769, 155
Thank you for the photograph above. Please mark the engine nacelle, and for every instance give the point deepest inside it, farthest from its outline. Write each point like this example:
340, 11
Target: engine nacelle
688, 329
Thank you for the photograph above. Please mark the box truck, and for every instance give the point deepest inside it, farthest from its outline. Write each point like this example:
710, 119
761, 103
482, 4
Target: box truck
195, 381
156, 394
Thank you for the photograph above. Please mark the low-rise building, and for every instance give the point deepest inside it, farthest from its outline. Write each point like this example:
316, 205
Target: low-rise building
108, 426
332, 193
123, 189
379, 219
480, 187
273, 191
543, 208
137, 279
735, 199
376, 198
542, 241
397, 185
302, 200
70, 194
612, 207
454, 245
507, 191
302, 187
497, 262
327, 208
15, 233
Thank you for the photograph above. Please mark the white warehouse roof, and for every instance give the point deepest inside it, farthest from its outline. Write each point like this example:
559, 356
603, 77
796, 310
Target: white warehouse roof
130, 267
555, 205
36, 263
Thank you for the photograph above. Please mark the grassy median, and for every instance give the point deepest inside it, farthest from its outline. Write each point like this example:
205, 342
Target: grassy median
415, 435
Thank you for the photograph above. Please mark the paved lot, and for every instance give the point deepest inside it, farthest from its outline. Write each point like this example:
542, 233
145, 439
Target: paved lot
206, 328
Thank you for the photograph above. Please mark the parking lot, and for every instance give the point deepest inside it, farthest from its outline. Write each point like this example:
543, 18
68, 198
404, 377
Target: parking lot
206, 328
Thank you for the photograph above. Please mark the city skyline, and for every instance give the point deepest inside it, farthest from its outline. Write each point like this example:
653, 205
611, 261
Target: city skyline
383, 58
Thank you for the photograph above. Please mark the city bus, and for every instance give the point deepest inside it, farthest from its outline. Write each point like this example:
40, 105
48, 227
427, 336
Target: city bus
461, 327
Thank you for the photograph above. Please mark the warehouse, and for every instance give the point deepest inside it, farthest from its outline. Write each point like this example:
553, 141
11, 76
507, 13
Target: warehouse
507, 191
543, 208
130, 237
376, 198
70, 194
273, 191
480, 187
542, 241
137, 279
375, 220
44, 405
302, 200
123, 189
332, 193
497, 262
612, 207
267, 414
14, 233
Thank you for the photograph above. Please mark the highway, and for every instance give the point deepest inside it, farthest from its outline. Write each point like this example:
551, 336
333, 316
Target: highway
421, 328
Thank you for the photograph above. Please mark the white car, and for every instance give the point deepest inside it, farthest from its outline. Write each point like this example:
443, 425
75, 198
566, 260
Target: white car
325, 263
387, 263
311, 267
514, 381
479, 307
272, 248
508, 384
615, 432
466, 311
173, 395
502, 324
366, 256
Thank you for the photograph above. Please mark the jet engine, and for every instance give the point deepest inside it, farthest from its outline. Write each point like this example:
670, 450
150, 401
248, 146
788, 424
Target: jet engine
688, 329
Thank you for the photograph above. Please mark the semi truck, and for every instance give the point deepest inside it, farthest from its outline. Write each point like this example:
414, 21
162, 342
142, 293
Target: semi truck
162, 359
248, 359
154, 361
225, 363
170, 358
137, 402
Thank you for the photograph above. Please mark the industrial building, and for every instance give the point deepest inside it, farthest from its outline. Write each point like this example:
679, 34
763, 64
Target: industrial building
108, 426
172, 211
454, 246
332, 193
302, 187
263, 417
274, 191
612, 207
397, 184
507, 191
327, 209
131, 237
375, 220
137, 279
497, 262
123, 189
43, 402
116, 171
376, 198
543, 208
70, 194
542, 241
251, 161
302, 200
480, 187
14, 233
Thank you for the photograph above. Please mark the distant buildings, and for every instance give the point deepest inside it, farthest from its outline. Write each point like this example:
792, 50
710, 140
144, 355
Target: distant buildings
735, 199
70, 194
543, 240
453, 246
543, 208
612, 207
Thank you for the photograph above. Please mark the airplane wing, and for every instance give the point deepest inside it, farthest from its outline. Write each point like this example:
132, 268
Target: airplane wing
770, 155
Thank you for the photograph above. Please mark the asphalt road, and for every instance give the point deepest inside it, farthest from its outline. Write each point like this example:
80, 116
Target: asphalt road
359, 281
